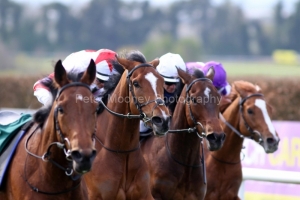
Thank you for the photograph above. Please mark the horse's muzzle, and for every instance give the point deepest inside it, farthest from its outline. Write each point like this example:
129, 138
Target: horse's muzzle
215, 140
160, 125
83, 160
270, 145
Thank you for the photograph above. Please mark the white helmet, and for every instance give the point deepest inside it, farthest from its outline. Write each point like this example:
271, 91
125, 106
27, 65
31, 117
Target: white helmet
78, 62
168, 65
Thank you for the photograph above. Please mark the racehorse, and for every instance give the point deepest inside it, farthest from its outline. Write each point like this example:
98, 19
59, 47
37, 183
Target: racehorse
57, 153
120, 171
175, 163
246, 117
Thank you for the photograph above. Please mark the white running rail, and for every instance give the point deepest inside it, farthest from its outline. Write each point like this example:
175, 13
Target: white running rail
268, 176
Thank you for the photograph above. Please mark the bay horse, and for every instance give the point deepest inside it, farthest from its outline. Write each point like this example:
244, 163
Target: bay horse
248, 116
176, 166
119, 170
58, 152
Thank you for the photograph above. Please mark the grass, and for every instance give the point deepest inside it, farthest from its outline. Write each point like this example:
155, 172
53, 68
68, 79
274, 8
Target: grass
261, 69
26, 65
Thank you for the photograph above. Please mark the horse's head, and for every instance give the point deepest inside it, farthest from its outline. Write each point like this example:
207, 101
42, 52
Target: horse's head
202, 106
75, 116
146, 92
255, 113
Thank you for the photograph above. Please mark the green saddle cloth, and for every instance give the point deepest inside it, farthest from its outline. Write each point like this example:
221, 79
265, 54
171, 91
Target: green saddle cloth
8, 131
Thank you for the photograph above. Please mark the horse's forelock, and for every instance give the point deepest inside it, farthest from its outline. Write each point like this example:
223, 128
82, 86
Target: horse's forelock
136, 55
198, 74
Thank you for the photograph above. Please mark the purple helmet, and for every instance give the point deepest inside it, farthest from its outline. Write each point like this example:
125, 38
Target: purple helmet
220, 77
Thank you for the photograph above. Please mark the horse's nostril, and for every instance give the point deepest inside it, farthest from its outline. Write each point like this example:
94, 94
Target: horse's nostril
81, 156
93, 154
211, 137
270, 140
223, 136
76, 155
216, 137
157, 120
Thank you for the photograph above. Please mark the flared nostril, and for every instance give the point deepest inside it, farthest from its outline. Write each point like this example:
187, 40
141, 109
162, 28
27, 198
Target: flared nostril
79, 156
76, 155
157, 121
211, 137
216, 137
271, 141
223, 137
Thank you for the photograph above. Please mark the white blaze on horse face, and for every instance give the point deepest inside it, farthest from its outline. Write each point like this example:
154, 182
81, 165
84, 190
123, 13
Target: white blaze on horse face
153, 81
165, 116
206, 92
261, 104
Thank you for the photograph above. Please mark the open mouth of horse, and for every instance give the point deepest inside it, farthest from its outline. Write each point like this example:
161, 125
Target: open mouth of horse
82, 161
215, 141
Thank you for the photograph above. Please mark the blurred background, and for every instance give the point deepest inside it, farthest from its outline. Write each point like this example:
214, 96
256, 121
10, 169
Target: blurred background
257, 41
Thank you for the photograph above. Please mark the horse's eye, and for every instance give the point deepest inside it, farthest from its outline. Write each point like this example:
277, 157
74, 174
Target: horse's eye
136, 84
250, 111
60, 110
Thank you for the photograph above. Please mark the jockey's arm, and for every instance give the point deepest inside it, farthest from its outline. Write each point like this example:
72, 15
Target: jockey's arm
42, 91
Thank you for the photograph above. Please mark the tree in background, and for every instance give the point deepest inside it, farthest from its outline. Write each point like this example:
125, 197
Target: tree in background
196, 26
294, 29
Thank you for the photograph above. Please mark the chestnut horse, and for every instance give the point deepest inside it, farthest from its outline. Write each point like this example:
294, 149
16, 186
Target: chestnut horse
176, 166
59, 152
246, 117
120, 171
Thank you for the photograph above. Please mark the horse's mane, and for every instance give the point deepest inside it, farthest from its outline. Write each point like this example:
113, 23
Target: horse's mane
114, 79
42, 114
244, 86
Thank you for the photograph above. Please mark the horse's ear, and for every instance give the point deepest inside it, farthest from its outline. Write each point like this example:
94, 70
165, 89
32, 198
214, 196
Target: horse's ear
60, 74
126, 64
185, 77
90, 73
239, 90
154, 62
210, 73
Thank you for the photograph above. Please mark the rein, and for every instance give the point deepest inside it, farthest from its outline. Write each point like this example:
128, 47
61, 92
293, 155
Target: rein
181, 163
46, 156
253, 132
142, 115
191, 130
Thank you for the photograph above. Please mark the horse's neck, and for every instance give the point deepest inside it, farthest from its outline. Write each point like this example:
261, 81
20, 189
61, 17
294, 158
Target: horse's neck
116, 130
183, 144
39, 144
233, 143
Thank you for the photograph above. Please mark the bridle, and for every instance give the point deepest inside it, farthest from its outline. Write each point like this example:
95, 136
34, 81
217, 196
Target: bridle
66, 148
142, 115
251, 131
191, 130
187, 101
